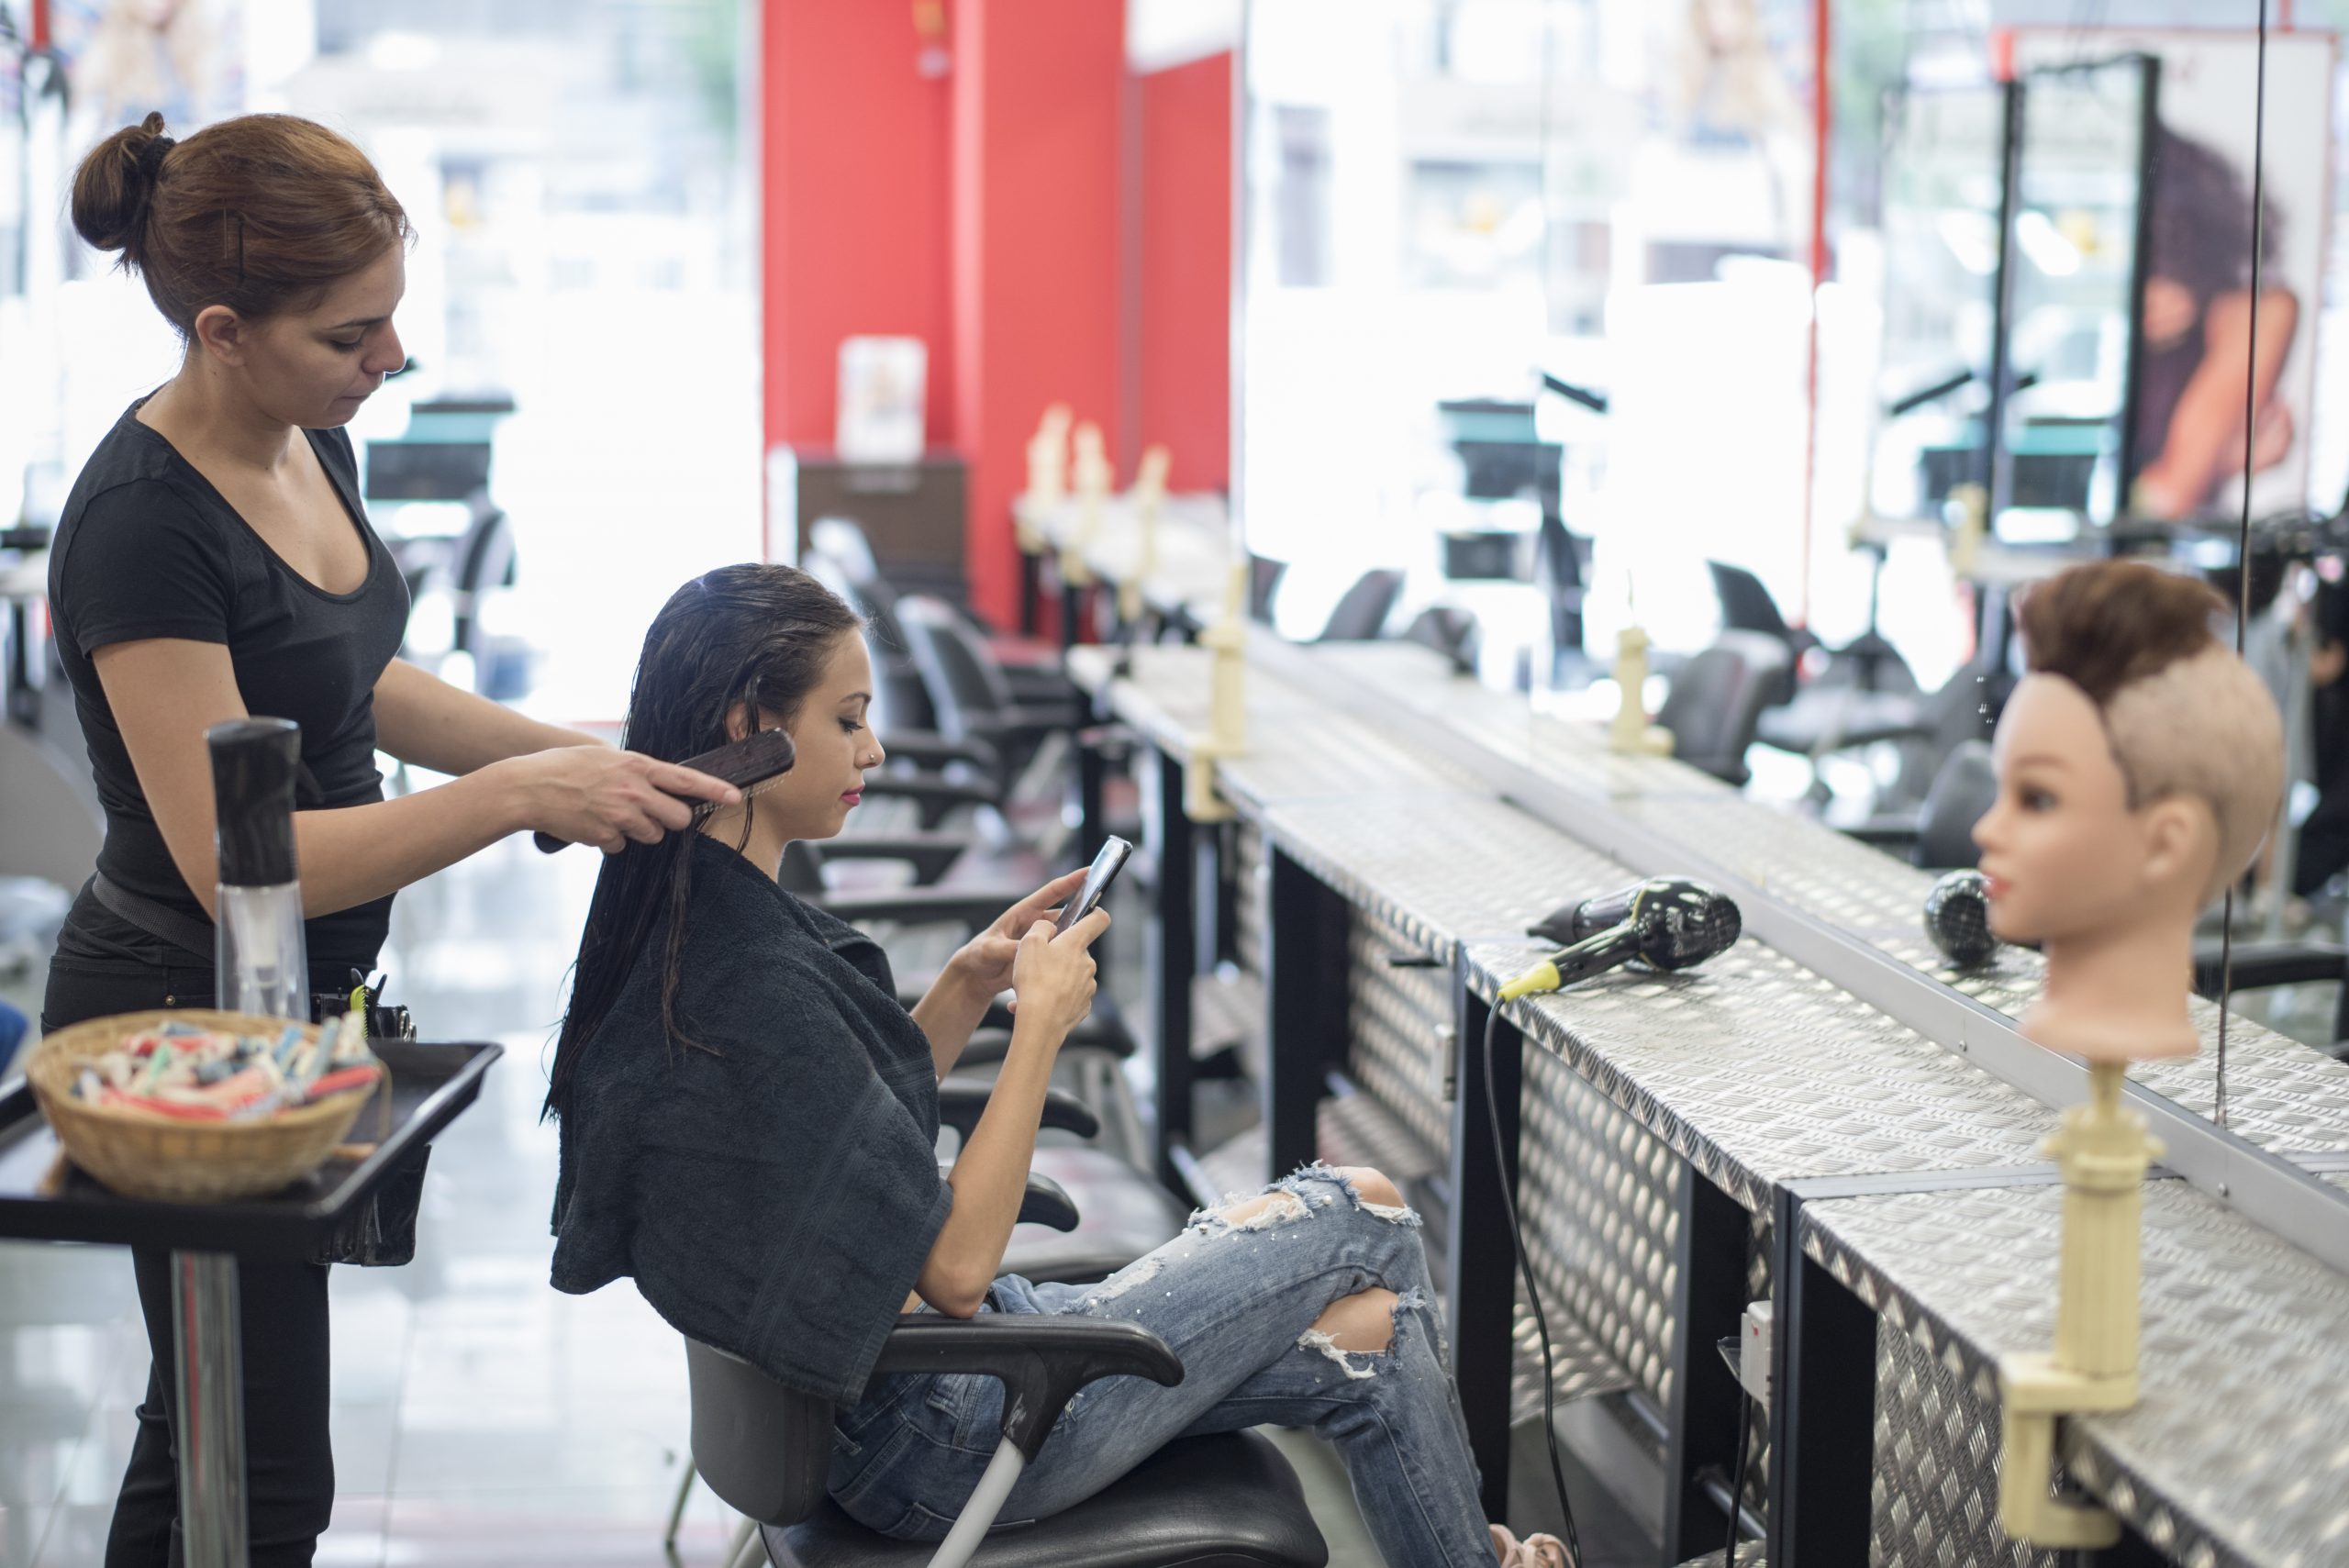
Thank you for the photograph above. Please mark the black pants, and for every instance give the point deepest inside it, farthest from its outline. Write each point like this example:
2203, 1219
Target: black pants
289, 1465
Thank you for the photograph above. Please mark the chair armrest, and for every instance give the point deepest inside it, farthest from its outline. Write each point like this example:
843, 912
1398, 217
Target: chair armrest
955, 905
1100, 1029
1040, 683
961, 1100
1887, 833
1029, 718
1041, 1360
935, 796
930, 855
1019, 655
1047, 1203
928, 749
2261, 964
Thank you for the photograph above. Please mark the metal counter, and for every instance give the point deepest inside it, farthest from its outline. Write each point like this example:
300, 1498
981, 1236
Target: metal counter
1677, 1130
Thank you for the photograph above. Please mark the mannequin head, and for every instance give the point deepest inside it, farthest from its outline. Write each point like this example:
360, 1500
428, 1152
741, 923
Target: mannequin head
2140, 766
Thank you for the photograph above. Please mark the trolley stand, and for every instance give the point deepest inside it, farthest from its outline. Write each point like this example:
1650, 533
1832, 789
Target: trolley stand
45, 1198
210, 1406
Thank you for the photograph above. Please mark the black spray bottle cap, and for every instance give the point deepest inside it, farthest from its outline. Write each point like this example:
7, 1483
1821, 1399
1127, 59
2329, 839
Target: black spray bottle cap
254, 763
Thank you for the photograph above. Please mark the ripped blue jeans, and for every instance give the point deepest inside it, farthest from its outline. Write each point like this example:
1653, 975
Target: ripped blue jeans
1236, 1302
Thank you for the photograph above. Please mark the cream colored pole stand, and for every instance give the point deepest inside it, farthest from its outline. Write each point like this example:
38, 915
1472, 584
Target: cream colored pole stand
1630, 733
1150, 499
2103, 1148
1226, 734
1047, 479
1092, 475
1972, 505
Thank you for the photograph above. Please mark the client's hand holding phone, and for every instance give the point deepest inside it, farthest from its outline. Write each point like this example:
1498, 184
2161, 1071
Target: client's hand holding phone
987, 961
1106, 867
1052, 975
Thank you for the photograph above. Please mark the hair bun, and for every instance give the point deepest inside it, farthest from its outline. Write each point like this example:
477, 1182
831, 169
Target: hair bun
115, 183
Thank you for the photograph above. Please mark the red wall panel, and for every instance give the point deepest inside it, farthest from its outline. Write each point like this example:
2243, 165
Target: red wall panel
1184, 375
853, 176
1037, 84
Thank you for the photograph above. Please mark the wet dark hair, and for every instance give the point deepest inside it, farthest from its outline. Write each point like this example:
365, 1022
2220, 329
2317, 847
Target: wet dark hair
2201, 218
758, 636
262, 212
2110, 624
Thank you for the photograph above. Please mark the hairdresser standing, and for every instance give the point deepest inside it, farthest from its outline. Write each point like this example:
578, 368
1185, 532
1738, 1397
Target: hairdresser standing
214, 561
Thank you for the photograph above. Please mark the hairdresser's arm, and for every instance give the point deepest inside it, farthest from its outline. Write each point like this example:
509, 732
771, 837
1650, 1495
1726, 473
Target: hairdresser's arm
981, 969
2206, 433
166, 691
423, 719
990, 1176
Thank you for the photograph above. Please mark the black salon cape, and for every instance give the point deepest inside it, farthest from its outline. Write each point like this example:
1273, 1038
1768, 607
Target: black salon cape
777, 1200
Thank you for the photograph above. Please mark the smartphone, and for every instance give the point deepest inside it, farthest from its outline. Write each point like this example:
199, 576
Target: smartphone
1106, 867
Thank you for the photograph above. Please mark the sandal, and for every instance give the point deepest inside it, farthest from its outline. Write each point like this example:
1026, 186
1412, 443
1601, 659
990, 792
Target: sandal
1534, 1551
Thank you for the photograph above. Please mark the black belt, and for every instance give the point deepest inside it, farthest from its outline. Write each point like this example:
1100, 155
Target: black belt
197, 938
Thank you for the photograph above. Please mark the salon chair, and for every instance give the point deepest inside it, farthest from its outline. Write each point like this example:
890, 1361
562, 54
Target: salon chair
1225, 1501
1939, 835
1045, 1204
1867, 663
1263, 581
2258, 965
901, 709
972, 694
1360, 612
841, 556
1451, 631
1718, 698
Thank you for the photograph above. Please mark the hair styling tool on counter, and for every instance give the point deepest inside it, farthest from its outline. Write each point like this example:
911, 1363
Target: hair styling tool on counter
1664, 923
751, 764
1957, 917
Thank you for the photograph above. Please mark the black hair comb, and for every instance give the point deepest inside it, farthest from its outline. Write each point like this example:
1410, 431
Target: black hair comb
751, 764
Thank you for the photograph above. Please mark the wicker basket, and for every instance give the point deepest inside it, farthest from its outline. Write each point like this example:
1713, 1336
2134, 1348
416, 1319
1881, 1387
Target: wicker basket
143, 1155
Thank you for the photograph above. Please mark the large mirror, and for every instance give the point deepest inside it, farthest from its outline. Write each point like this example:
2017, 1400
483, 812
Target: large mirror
1598, 393
2083, 137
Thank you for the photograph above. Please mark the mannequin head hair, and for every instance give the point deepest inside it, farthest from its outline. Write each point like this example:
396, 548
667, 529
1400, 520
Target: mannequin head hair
2183, 715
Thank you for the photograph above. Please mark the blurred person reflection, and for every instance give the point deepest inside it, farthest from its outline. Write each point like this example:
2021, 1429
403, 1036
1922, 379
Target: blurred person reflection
2196, 361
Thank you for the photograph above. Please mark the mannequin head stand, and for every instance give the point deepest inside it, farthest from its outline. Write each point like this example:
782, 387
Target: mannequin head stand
2140, 766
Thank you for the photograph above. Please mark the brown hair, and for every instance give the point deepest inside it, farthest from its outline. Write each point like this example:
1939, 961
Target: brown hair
2110, 624
261, 213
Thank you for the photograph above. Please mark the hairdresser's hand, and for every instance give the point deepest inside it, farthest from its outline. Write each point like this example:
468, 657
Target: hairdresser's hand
1053, 973
985, 960
600, 796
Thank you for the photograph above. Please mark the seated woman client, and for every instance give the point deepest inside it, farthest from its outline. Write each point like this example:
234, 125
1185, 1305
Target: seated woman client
749, 1118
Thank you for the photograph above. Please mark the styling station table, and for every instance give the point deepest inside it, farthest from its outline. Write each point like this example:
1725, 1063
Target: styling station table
44, 1198
1819, 1117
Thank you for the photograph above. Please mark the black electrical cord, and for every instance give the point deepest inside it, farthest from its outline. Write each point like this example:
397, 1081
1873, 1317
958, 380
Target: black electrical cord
2243, 537
1737, 1473
1533, 1295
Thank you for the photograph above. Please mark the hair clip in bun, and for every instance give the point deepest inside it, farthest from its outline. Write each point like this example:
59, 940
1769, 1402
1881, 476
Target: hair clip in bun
150, 158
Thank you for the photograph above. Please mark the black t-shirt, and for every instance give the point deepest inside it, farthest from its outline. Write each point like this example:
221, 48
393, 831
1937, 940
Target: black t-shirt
147, 548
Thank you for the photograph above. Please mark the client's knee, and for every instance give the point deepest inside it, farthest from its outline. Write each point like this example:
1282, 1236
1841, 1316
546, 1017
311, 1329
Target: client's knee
1263, 1211
1362, 1323
1372, 1186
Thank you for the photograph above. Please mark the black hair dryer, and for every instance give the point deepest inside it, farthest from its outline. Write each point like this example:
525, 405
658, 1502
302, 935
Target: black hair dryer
1958, 918
1664, 923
